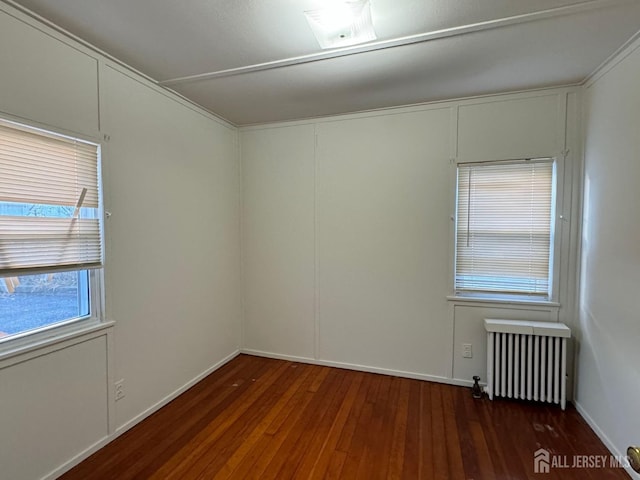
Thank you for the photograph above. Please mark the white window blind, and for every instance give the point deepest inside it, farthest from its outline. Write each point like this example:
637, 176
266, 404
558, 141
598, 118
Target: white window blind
504, 227
49, 199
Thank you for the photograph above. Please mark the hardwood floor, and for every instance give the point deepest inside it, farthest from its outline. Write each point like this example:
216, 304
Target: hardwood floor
258, 418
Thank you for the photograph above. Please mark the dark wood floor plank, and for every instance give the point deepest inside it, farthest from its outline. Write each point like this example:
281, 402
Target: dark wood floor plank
267, 419
325, 461
302, 455
468, 455
283, 417
314, 449
352, 422
269, 444
398, 428
436, 465
246, 428
501, 448
287, 457
249, 443
334, 471
360, 435
413, 448
181, 431
156, 434
358, 442
481, 453
198, 446
455, 448
373, 461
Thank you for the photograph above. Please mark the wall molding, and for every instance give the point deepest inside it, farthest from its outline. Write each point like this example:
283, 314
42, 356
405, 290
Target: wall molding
614, 59
166, 92
137, 419
360, 368
157, 406
62, 469
431, 378
456, 31
417, 107
603, 436
52, 341
23, 14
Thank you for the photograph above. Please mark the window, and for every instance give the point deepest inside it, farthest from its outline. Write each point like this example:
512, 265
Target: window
504, 229
50, 231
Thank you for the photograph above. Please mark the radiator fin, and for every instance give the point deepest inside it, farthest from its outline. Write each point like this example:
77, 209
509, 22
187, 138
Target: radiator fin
527, 360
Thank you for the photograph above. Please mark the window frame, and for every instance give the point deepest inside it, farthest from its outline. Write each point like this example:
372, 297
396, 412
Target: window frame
558, 186
75, 326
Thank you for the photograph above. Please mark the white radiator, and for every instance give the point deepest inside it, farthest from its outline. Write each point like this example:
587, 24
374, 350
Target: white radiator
527, 360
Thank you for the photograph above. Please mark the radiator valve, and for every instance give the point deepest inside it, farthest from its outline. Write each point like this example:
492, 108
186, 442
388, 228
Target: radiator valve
476, 390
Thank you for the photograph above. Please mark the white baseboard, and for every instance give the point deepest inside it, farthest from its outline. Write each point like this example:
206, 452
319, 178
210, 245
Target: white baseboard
77, 459
154, 408
349, 366
137, 419
361, 368
603, 436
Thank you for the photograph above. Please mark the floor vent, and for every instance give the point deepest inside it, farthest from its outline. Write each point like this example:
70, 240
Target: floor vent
527, 360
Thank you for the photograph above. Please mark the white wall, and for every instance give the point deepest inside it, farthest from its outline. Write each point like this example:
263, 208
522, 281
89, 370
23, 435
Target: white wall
172, 274
609, 357
278, 236
53, 406
346, 245
45, 80
347, 240
383, 225
173, 264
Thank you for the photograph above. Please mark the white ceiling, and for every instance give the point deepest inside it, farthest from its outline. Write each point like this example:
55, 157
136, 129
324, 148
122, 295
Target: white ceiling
462, 48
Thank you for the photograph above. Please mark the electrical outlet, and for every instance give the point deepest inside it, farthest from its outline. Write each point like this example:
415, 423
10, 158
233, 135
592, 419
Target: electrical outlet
119, 390
467, 350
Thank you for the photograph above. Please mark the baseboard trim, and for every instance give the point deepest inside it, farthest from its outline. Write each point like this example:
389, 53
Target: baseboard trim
137, 419
603, 436
349, 366
360, 368
64, 468
154, 408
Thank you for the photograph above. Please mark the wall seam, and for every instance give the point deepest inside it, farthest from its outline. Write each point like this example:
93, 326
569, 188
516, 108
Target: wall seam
316, 248
241, 238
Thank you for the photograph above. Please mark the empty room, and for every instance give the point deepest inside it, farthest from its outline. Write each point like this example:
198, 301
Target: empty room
349, 239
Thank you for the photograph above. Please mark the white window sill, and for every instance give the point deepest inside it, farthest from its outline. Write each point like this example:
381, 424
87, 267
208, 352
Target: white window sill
501, 301
11, 349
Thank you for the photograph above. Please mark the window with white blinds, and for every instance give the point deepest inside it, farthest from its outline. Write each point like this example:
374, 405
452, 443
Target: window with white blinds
49, 199
504, 228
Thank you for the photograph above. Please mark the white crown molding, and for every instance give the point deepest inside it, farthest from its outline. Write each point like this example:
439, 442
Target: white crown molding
14, 9
414, 107
614, 59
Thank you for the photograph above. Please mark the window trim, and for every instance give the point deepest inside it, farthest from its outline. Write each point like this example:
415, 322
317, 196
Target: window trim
475, 301
59, 332
70, 327
558, 219
20, 353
